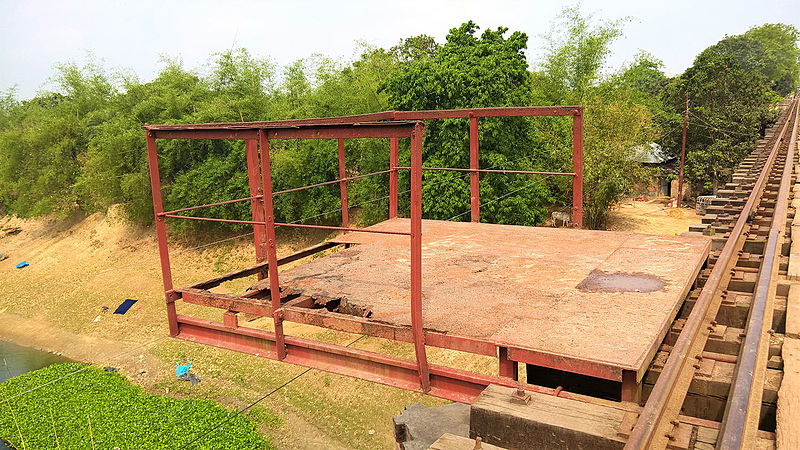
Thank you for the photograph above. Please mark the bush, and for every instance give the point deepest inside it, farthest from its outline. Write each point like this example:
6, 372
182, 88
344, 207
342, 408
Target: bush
121, 414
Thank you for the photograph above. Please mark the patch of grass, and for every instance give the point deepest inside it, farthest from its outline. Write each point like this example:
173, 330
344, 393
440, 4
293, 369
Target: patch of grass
120, 413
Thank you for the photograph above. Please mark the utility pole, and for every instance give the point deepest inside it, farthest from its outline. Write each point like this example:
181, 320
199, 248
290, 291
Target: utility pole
683, 152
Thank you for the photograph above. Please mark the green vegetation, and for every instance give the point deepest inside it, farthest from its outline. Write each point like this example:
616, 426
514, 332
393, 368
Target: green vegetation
97, 409
80, 146
732, 87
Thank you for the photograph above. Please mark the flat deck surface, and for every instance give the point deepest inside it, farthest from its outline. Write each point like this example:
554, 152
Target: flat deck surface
600, 296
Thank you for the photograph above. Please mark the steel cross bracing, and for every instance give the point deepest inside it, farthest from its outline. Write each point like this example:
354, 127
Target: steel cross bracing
415, 375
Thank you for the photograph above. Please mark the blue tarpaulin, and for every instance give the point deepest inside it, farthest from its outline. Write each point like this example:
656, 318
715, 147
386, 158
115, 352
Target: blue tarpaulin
125, 306
22, 264
181, 369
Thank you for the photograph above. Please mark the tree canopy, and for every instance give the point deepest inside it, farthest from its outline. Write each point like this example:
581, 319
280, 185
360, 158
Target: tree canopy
79, 146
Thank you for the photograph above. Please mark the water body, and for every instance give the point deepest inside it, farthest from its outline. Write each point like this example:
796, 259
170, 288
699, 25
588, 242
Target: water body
17, 360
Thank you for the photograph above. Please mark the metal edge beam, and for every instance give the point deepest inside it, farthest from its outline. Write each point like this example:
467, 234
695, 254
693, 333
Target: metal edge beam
446, 383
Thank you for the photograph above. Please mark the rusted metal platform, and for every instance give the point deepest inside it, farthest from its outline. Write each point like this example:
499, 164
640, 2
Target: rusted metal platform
591, 302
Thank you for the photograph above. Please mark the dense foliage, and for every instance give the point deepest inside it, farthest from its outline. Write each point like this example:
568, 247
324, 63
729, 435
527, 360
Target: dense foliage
120, 415
471, 71
79, 146
732, 88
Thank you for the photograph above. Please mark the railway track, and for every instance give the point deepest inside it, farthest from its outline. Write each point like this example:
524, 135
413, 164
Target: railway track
721, 365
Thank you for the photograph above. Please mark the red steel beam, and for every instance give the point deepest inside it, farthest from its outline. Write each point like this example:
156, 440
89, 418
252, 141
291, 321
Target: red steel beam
596, 369
339, 120
509, 111
257, 202
474, 165
394, 156
577, 168
343, 184
272, 257
508, 368
416, 257
161, 232
447, 383
512, 111
353, 131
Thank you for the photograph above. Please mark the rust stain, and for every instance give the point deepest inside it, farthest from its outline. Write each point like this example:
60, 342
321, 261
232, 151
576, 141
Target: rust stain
599, 281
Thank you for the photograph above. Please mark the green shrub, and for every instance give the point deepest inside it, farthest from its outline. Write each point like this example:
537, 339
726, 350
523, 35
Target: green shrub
121, 415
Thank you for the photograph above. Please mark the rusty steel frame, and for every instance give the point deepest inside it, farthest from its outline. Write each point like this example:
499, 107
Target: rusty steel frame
665, 400
415, 375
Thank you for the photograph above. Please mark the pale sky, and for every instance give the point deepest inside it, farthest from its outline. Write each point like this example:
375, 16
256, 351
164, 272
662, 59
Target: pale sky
35, 35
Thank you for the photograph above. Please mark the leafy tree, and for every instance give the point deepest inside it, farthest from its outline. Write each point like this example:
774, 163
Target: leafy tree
617, 108
471, 71
779, 42
729, 100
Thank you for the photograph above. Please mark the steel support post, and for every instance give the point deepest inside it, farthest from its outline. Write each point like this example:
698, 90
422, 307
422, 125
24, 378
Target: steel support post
631, 387
474, 177
416, 257
508, 368
256, 204
343, 184
394, 156
272, 257
161, 232
577, 168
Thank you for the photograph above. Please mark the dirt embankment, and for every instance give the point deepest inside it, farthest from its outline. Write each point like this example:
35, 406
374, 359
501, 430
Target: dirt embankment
652, 216
81, 265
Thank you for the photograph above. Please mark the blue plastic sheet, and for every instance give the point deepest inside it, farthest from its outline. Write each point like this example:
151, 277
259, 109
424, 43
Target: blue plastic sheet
125, 306
181, 369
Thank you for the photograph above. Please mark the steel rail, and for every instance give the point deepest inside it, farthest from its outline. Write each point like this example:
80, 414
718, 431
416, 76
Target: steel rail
653, 417
734, 424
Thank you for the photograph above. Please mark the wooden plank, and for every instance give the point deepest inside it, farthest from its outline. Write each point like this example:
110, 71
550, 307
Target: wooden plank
787, 434
546, 422
452, 442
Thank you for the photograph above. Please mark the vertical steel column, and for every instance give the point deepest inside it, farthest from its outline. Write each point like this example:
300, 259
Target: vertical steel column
161, 232
343, 184
256, 205
394, 157
631, 387
474, 178
272, 257
577, 168
416, 257
508, 368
